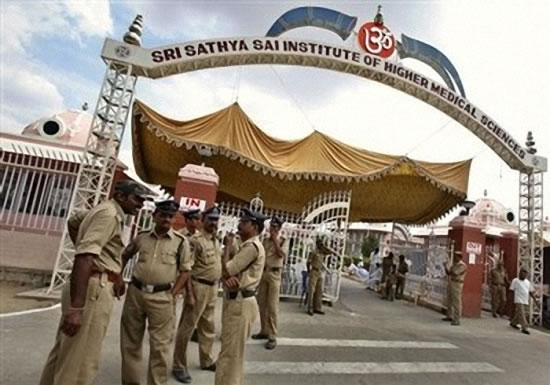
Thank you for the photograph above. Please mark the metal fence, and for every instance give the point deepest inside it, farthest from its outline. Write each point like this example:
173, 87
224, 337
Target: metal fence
426, 276
35, 192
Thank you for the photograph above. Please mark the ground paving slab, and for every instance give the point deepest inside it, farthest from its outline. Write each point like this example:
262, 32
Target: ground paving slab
361, 340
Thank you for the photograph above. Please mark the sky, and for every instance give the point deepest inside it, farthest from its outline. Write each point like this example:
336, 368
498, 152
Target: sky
50, 61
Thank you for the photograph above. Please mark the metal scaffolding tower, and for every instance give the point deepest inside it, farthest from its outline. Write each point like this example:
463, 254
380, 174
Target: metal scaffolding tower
530, 242
100, 155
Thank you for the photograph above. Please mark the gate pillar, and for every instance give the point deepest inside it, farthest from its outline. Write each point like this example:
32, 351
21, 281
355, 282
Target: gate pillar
470, 241
509, 245
196, 187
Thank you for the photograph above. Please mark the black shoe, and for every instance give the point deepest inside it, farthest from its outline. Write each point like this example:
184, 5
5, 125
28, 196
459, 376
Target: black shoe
211, 367
270, 344
447, 319
259, 336
455, 323
310, 312
514, 326
494, 315
195, 336
525, 331
319, 312
181, 375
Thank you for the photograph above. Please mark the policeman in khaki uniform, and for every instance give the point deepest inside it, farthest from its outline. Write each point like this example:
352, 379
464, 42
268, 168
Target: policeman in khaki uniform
161, 273
87, 302
199, 313
315, 269
241, 276
192, 222
270, 285
499, 283
455, 273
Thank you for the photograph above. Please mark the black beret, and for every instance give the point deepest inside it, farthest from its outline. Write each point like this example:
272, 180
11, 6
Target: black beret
168, 206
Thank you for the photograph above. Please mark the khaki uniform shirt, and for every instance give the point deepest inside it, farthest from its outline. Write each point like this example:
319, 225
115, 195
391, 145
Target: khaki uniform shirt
183, 231
158, 256
248, 263
402, 269
100, 234
206, 255
498, 277
271, 258
316, 259
457, 272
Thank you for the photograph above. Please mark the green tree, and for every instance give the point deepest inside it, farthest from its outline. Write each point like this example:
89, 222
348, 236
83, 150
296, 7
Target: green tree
369, 244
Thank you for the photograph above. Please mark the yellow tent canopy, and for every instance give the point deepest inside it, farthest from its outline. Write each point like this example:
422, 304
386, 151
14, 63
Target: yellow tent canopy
291, 173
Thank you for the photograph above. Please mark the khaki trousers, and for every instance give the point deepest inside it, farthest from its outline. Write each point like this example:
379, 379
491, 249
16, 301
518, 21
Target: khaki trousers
520, 312
200, 316
157, 311
268, 302
498, 299
237, 320
75, 360
400, 287
315, 290
454, 300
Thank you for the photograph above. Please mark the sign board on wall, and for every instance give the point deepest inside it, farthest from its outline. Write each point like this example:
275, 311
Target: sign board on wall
187, 204
473, 248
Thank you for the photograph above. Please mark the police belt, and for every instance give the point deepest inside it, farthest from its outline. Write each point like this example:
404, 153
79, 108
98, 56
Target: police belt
245, 294
457, 280
272, 269
498, 284
315, 268
150, 288
204, 281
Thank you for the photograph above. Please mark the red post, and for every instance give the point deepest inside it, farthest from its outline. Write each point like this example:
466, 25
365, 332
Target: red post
196, 186
470, 241
509, 245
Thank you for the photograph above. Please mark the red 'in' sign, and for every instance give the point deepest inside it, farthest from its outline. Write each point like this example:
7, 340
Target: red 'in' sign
376, 39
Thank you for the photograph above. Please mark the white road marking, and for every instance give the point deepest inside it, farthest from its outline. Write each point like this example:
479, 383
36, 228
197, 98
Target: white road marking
30, 311
335, 343
272, 367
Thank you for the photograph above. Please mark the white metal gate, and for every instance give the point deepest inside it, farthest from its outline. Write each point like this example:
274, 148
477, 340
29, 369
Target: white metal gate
325, 216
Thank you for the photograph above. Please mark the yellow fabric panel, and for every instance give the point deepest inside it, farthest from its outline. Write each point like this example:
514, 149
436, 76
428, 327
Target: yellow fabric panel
291, 173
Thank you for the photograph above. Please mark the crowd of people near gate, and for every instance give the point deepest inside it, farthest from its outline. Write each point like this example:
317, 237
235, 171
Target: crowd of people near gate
385, 276
191, 262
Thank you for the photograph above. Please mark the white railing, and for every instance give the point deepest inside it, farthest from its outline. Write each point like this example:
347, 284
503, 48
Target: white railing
35, 192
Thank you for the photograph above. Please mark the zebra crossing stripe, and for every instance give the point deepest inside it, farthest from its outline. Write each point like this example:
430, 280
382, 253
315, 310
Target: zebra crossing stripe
337, 343
368, 367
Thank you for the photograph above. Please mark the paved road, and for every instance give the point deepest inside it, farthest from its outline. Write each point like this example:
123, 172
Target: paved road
362, 340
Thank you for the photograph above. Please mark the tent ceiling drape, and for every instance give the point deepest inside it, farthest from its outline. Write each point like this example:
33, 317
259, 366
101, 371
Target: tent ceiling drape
291, 173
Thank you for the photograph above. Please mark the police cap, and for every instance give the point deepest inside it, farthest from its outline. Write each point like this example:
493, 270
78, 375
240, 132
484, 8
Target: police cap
212, 213
277, 221
129, 186
192, 214
167, 207
253, 216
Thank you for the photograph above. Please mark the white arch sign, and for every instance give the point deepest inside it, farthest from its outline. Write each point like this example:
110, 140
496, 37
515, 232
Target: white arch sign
186, 57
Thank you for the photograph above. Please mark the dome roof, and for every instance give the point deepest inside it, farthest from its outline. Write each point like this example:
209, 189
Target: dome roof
486, 206
489, 211
68, 128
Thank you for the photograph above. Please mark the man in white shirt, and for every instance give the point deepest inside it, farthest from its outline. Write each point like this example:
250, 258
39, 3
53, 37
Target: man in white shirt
522, 289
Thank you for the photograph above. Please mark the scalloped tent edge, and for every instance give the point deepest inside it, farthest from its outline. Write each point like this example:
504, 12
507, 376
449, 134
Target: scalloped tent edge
384, 187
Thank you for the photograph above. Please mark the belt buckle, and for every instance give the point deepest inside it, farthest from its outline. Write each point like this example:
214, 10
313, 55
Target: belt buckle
149, 289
